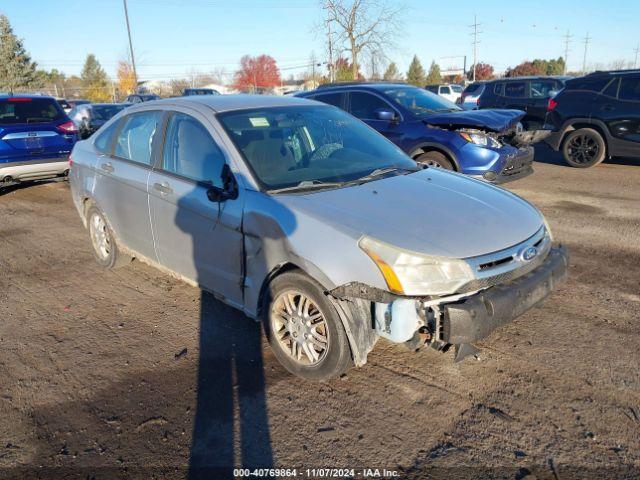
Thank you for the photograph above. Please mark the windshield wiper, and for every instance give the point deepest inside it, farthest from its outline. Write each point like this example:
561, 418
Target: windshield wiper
307, 185
382, 171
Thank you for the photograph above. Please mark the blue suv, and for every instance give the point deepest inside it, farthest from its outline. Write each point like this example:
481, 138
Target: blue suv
486, 144
36, 138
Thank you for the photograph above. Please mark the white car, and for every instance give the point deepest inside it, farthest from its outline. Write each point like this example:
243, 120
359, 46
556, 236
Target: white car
451, 92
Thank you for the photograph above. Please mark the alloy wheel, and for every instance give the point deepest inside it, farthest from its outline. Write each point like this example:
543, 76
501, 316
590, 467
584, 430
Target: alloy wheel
299, 327
583, 149
99, 236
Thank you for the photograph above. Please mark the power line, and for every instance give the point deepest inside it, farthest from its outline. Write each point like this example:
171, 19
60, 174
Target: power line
475, 34
636, 51
567, 39
587, 39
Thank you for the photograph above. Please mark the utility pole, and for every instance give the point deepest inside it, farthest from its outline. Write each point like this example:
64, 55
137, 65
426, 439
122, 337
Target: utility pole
636, 51
587, 39
133, 61
329, 38
567, 39
475, 34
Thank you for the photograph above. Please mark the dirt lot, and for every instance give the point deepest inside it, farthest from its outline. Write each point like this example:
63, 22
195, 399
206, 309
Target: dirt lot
130, 373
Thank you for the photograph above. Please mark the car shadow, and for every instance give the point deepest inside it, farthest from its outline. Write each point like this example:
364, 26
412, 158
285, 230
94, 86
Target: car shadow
545, 154
5, 189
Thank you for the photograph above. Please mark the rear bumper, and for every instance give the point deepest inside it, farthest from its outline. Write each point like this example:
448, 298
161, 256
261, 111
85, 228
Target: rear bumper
477, 316
554, 140
34, 169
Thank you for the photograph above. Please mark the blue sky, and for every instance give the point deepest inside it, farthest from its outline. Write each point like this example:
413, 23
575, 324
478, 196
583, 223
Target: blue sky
173, 37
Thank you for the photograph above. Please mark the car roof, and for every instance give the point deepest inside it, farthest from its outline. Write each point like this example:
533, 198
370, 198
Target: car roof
225, 103
25, 95
360, 85
531, 77
613, 72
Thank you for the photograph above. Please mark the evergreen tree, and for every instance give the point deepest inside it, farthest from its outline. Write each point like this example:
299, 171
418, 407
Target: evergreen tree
94, 80
16, 68
392, 73
434, 77
415, 74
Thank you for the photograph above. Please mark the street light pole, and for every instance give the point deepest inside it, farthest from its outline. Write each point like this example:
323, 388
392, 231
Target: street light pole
133, 61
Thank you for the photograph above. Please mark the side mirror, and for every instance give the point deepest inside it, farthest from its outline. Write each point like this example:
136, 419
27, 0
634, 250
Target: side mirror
386, 115
229, 189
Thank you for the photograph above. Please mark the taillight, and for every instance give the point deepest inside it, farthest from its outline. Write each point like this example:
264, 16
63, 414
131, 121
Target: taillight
70, 161
68, 127
551, 104
19, 99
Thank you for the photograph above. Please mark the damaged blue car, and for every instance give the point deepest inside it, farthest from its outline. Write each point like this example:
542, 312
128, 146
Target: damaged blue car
488, 144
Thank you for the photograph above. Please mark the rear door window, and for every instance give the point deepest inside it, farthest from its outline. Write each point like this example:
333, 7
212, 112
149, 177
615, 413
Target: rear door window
104, 140
586, 83
445, 90
135, 140
498, 88
515, 89
335, 99
541, 88
612, 88
629, 88
17, 110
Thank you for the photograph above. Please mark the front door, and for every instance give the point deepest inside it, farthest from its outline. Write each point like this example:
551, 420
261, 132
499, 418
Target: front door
196, 237
366, 106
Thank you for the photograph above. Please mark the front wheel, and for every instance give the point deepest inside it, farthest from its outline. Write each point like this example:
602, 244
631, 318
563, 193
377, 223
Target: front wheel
304, 329
584, 148
435, 159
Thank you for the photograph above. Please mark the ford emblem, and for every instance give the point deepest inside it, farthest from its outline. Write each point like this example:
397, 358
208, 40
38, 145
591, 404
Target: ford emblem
528, 253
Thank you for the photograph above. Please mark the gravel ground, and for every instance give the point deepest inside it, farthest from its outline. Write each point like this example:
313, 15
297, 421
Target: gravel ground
132, 374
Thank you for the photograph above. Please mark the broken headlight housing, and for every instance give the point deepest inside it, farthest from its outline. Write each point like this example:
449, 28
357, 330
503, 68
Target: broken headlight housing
412, 273
481, 139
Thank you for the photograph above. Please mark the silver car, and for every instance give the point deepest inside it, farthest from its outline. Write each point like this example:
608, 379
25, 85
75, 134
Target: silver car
302, 216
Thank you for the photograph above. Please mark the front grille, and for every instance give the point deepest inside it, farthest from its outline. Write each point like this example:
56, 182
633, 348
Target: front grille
506, 265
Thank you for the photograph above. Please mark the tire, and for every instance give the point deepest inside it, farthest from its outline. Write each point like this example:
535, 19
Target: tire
435, 159
285, 327
105, 249
584, 148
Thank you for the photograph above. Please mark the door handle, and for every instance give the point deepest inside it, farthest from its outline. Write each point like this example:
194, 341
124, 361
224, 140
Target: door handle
607, 107
163, 188
107, 167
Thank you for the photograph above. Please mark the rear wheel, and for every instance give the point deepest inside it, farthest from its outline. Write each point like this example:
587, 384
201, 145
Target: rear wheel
584, 148
103, 241
304, 329
435, 159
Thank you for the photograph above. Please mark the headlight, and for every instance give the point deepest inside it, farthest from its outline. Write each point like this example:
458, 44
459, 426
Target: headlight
547, 228
411, 273
481, 139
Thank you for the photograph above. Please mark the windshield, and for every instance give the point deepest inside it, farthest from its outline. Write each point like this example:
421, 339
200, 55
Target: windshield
105, 112
29, 110
285, 146
420, 101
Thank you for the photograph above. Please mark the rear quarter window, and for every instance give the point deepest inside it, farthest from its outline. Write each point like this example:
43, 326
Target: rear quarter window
587, 84
29, 110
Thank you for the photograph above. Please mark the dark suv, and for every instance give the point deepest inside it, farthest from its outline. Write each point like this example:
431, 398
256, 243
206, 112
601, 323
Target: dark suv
595, 117
530, 94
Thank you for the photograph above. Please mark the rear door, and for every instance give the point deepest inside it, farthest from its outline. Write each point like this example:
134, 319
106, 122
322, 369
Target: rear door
122, 176
195, 237
622, 116
33, 129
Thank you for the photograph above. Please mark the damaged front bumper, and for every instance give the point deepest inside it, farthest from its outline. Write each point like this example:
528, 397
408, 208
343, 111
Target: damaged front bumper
462, 320
517, 165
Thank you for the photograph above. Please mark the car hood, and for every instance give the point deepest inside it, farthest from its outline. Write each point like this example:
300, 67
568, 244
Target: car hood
491, 120
432, 211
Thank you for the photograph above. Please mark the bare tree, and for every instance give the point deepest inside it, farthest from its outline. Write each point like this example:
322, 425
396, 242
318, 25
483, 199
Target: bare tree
363, 25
